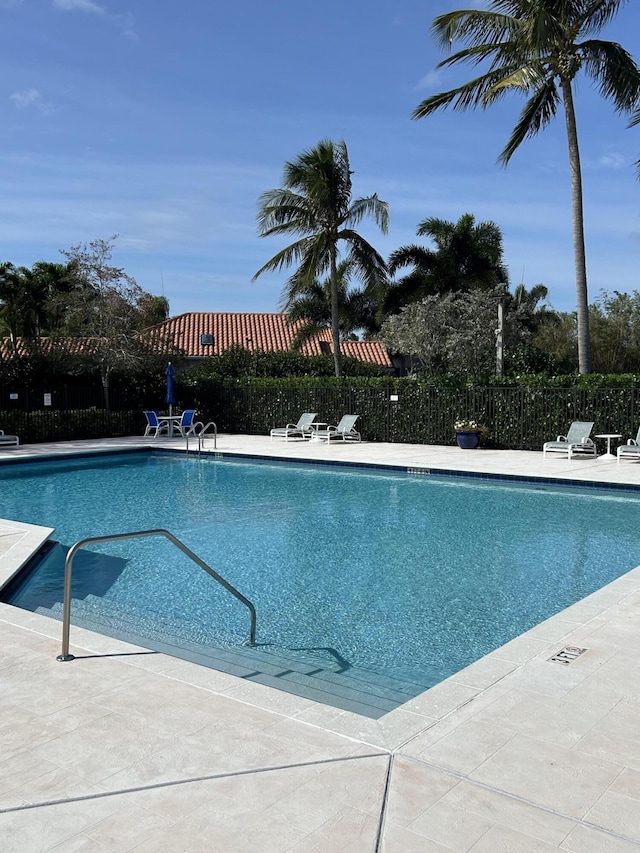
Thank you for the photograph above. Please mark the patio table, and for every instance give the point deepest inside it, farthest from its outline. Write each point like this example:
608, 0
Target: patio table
608, 435
169, 421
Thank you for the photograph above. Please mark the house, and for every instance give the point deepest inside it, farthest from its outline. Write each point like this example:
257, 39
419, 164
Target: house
202, 334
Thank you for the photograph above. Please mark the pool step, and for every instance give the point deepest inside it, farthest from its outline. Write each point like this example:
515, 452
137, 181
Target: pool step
313, 674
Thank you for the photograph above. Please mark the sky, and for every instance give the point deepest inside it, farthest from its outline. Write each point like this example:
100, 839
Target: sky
164, 122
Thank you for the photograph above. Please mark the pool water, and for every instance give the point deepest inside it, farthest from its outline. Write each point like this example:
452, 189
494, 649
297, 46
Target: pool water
359, 576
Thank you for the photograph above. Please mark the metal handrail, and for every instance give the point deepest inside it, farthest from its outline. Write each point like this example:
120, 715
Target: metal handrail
92, 540
204, 433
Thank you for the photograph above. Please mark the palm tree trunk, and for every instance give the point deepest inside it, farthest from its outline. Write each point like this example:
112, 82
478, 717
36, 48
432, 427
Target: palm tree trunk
335, 318
584, 347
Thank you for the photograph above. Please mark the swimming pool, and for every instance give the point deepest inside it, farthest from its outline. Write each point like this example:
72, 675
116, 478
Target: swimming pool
370, 585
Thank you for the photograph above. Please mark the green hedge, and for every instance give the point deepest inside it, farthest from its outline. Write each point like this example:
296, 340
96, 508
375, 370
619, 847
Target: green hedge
519, 417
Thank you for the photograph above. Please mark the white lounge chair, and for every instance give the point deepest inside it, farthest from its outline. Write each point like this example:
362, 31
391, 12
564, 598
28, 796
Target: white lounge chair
630, 450
300, 430
575, 443
344, 431
8, 440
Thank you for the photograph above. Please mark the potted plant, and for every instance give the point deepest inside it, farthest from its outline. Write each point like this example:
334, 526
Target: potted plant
469, 433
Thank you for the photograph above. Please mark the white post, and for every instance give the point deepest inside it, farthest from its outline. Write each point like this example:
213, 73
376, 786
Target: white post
500, 340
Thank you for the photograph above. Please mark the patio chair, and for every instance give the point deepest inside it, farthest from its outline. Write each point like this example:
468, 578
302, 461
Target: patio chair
154, 427
8, 440
630, 450
344, 431
300, 430
188, 424
575, 443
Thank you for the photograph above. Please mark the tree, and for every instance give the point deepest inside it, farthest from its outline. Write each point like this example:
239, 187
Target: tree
10, 297
467, 257
152, 309
533, 47
453, 334
102, 308
309, 305
615, 332
315, 202
45, 286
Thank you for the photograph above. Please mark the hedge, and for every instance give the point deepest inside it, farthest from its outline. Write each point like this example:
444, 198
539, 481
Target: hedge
519, 417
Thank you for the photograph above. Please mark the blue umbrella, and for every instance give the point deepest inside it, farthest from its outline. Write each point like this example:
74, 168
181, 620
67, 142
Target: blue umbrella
169, 396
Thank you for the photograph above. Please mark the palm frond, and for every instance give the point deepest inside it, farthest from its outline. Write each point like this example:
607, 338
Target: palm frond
308, 329
295, 252
536, 114
370, 206
475, 93
368, 264
281, 211
595, 14
411, 255
615, 70
477, 27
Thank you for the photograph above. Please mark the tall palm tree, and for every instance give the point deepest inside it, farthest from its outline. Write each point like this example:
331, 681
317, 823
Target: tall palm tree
316, 203
538, 47
468, 256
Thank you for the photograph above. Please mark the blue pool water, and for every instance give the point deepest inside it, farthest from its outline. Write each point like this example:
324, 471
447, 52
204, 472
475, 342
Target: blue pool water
383, 578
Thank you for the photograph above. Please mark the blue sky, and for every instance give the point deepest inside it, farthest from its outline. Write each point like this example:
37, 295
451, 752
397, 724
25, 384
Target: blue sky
163, 122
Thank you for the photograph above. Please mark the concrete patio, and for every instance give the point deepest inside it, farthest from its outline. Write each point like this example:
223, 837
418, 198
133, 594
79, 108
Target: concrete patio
126, 749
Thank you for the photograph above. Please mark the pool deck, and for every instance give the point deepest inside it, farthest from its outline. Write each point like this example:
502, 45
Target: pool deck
126, 749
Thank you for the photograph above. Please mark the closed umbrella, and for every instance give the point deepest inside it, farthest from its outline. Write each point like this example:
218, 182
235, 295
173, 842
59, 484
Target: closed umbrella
169, 396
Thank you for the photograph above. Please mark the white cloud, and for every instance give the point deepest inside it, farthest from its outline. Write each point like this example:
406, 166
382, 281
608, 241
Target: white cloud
30, 98
79, 6
611, 161
124, 21
430, 80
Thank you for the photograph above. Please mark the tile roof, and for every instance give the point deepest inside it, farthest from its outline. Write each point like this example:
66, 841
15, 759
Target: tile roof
24, 348
265, 332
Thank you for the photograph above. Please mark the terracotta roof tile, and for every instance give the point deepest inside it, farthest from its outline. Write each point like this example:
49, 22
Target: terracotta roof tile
266, 332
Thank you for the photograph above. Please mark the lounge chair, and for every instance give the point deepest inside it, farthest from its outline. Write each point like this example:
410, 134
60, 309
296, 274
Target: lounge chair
630, 450
300, 430
8, 440
575, 443
154, 427
344, 431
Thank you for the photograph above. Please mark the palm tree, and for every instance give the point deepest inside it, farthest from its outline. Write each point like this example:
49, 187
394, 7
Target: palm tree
11, 294
310, 307
530, 308
316, 203
467, 257
536, 47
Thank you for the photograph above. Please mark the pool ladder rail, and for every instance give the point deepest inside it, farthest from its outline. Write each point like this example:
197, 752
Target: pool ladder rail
115, 537
210, 429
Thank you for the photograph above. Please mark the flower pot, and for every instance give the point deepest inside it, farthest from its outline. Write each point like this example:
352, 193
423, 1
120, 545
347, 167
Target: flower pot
468, 440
